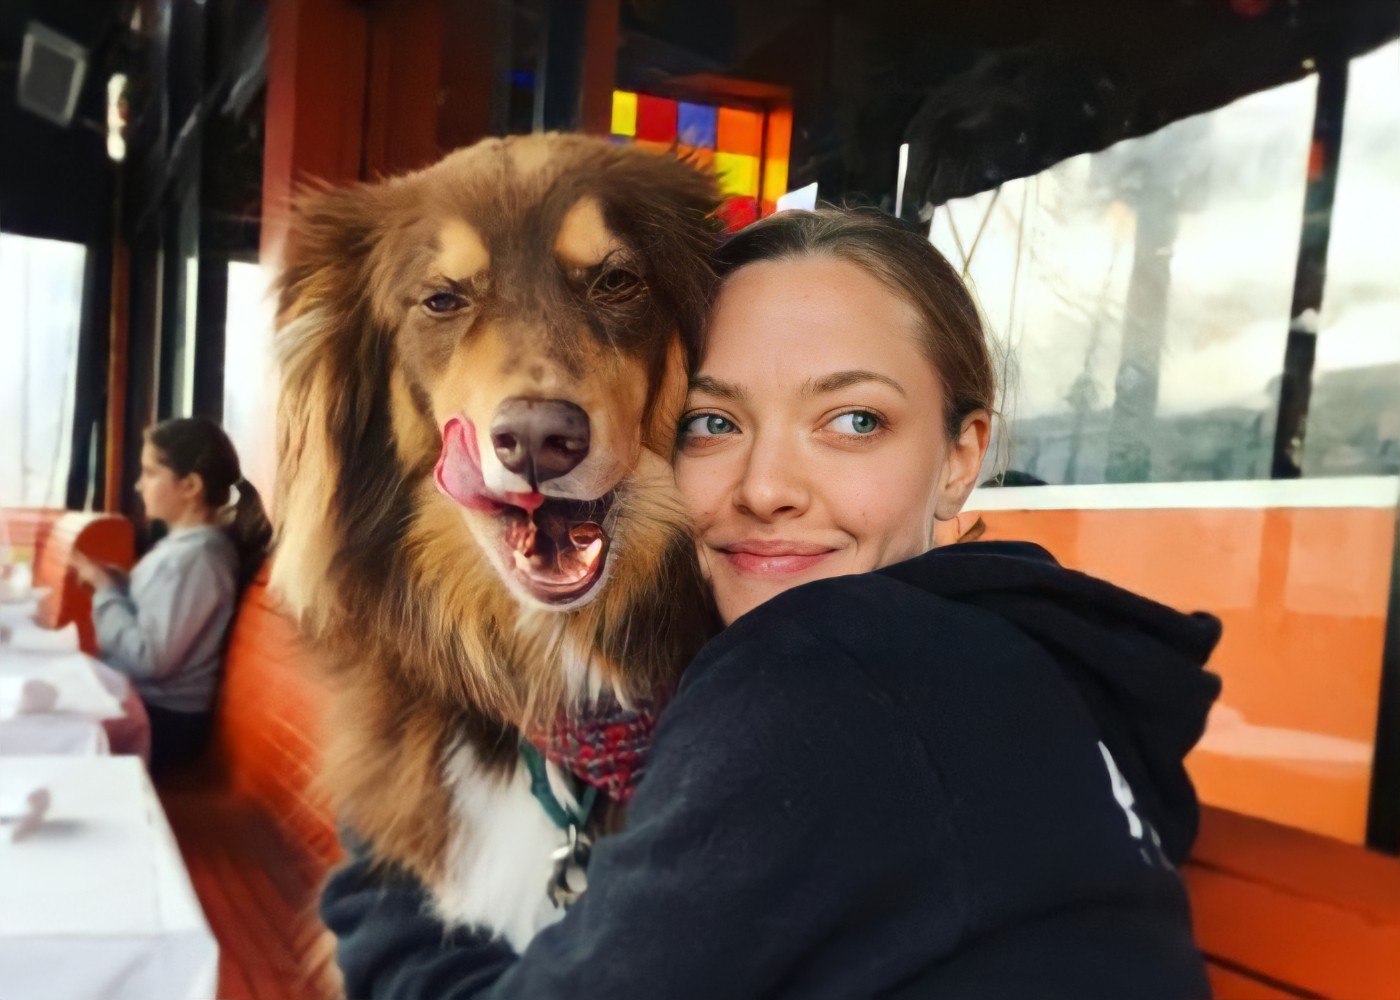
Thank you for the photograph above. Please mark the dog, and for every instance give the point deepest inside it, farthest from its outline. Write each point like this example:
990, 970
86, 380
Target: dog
482, 367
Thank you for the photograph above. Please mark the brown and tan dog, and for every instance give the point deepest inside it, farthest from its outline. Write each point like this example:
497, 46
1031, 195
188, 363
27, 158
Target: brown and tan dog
482, 367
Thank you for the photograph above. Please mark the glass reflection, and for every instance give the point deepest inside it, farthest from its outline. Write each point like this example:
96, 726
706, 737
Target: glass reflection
1143, 293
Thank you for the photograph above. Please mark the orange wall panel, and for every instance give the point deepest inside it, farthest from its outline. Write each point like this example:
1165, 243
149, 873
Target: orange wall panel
1302, 594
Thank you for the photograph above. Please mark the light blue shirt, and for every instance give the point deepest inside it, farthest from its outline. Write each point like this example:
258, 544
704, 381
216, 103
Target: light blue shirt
165, 627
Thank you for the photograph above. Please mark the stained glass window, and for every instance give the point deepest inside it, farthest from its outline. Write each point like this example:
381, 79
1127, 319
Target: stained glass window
746, 148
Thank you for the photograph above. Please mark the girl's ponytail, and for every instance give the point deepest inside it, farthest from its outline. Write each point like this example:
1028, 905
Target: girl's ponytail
250, 531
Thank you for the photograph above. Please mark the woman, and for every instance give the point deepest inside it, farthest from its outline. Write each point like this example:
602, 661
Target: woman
164, 627
896, 772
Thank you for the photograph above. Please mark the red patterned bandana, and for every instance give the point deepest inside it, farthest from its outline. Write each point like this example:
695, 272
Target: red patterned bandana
604, 745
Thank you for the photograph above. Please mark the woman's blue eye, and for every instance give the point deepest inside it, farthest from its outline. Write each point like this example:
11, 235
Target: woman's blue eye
708, 425
858, 422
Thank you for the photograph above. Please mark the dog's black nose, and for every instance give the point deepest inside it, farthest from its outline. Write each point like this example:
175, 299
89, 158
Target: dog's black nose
540, 439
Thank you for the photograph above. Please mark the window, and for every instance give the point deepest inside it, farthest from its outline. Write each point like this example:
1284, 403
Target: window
1141, 295
1354, 414
41, 285
747, 149
250, 376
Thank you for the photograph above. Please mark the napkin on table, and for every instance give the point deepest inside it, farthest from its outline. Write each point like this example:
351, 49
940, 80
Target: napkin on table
21, 815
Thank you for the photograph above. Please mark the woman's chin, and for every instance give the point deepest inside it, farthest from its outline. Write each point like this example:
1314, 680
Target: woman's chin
736, 597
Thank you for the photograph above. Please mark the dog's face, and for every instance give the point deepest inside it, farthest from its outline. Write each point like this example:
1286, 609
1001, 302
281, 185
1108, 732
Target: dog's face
513, 326
546, 358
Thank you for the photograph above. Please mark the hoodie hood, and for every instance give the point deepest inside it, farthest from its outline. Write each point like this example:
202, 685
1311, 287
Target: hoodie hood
1138, 665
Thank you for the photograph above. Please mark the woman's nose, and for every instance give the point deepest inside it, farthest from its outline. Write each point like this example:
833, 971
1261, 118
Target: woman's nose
772, 485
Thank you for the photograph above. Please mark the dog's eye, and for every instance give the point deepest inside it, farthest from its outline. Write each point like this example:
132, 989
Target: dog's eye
444, 302
616, 286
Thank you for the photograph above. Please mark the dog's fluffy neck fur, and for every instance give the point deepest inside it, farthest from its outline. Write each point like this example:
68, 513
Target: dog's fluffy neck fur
387, 740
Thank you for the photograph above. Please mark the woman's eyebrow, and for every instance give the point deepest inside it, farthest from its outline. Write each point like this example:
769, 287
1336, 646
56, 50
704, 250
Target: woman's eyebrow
837, 381
714, 387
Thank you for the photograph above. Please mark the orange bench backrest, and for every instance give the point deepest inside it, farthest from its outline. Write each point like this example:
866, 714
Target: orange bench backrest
106, 538
1281, 912
49, 537
269, 720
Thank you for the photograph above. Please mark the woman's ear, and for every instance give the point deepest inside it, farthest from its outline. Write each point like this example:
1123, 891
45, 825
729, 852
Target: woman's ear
963, 463
191, 488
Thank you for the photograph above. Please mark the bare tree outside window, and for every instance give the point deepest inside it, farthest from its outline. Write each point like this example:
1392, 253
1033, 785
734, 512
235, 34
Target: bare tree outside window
1142, 295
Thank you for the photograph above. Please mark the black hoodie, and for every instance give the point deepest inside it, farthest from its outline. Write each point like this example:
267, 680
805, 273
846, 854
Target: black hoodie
958, 777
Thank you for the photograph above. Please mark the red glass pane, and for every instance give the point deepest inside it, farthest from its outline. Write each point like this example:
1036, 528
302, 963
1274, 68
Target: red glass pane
656, 118
738, 213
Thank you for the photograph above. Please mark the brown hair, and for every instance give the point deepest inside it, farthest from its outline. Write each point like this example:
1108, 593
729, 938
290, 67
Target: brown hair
197, 444
949, 325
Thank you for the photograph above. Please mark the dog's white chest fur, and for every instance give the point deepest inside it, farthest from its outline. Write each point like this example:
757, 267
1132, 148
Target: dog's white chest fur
498, 859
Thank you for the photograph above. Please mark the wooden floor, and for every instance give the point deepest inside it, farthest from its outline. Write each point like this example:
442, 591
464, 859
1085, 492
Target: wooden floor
258, 893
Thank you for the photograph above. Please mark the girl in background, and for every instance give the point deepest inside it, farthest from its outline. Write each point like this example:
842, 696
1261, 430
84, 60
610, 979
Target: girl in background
164, 626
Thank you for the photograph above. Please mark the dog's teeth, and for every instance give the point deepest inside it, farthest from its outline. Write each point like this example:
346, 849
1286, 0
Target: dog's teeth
592, 552
584, 534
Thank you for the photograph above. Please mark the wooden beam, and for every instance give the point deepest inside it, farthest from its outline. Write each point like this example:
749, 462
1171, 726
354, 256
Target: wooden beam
316, 87
598, 77
117, 345
405, 74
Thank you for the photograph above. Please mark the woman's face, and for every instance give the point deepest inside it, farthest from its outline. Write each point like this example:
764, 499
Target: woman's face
814, 442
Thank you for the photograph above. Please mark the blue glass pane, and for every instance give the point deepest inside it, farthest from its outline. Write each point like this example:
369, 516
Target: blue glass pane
696, 125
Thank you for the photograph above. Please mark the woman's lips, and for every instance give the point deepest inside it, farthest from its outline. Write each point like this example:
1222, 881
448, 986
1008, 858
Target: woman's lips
763, 558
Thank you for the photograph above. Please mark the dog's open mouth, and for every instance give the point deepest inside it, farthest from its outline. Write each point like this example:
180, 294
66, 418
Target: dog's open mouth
558, 551
556, 548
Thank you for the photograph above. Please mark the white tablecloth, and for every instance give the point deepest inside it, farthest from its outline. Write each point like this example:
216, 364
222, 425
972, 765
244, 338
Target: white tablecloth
52, 734
97, 902
75, 725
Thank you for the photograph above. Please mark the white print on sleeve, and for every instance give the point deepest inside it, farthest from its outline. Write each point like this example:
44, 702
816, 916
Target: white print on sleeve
1139, 828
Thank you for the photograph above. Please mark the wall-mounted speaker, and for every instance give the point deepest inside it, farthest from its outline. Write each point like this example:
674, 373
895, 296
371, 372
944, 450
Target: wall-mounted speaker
51, 72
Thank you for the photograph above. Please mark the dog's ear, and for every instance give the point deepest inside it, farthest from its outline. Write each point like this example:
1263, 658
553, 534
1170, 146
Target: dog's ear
669, 214
333, 354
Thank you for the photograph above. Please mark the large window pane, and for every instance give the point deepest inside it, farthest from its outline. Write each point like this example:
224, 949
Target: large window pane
250, 375
1354, 417
41, 288
1141, 296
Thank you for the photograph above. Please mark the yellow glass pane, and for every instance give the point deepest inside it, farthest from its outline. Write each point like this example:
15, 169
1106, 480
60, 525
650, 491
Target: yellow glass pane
738, 174
624, 113
775, 178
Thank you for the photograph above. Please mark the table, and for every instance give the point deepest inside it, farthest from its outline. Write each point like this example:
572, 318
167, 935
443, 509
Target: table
96, 902
76, 724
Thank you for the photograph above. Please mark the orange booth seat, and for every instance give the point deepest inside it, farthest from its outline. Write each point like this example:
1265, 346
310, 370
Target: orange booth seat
256, 839
50, 537
1280, 912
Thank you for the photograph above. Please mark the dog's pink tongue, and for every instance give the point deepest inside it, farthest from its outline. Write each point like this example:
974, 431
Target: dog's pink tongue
458, 473
459, 467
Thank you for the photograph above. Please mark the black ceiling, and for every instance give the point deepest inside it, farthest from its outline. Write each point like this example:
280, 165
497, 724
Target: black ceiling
986, 90
52, 179
961, 80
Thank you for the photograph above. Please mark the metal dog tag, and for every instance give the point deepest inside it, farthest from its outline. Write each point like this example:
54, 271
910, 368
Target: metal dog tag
570, 868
